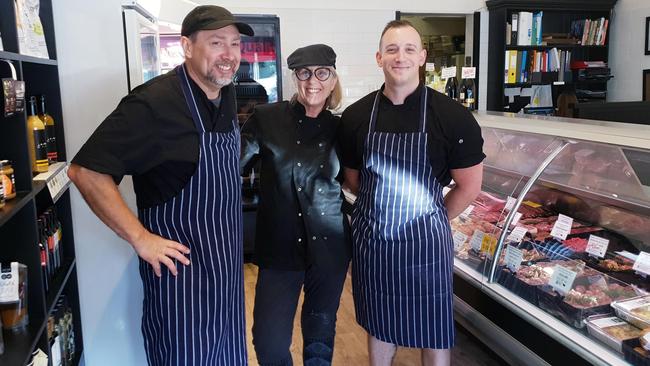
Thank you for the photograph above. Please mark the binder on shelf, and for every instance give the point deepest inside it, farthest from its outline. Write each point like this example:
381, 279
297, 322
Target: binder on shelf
508, 34
515, 26
512, 68
525, 28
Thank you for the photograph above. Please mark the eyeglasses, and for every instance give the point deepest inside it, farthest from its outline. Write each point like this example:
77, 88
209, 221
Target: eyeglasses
321, 73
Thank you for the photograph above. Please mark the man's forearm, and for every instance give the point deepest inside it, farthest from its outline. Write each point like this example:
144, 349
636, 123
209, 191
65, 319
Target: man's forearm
101, 193
457, 199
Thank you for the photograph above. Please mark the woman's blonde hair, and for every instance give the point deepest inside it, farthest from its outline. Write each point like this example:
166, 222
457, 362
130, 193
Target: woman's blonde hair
333, 101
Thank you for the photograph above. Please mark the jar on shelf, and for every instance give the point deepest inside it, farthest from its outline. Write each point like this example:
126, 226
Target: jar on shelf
8, 180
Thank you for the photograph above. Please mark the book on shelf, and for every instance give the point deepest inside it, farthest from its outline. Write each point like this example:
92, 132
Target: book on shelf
520, 66
590, 32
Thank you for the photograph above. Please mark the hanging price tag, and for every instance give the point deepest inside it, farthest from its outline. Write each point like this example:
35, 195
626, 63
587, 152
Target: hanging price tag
468, 210
562, 279
430, 66
513, 258
459, 240
448, 72
562, 227
515, 219
489, 245
642, 263
510, 203
477, 240
597, 246
469, 72
517, 234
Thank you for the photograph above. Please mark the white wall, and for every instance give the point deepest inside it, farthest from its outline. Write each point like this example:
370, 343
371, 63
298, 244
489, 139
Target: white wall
92, 73
626, 51
93, 79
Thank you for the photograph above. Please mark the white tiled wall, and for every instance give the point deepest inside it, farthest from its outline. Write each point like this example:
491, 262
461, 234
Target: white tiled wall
355, 43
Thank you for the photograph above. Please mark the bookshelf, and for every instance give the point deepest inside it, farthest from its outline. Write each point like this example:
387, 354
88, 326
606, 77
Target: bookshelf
558, 17
19, 231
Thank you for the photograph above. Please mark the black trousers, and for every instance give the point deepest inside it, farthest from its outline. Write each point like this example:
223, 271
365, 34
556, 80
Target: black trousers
276, 300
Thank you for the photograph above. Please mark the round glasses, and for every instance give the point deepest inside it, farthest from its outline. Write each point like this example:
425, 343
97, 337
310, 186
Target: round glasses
321, 73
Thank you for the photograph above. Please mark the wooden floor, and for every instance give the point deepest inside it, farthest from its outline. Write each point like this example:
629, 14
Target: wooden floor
350, 345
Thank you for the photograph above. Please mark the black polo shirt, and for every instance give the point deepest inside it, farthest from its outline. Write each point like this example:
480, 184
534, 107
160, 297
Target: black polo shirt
454, 137
151, 136
299, 218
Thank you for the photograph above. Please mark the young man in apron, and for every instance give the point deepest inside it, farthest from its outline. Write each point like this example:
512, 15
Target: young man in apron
400, 146
178, 136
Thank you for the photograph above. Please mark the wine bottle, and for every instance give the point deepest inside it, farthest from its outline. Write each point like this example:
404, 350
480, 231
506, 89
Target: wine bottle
36, 139
50, 133
462, 92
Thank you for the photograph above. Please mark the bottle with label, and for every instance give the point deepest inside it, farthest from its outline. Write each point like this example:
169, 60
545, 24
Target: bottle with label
36, 139
470, 88
451, 88
462, 92
50, 132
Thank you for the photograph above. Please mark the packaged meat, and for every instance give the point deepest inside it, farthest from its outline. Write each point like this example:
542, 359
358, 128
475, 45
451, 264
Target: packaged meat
635, 310
591, 294
517, 285
611, 330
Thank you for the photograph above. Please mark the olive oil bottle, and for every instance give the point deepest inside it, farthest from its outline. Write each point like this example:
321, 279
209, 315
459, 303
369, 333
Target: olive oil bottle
36, 139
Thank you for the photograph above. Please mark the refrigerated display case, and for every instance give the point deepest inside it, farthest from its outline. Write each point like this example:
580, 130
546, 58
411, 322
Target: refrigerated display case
259, 78
141, 42
559, 237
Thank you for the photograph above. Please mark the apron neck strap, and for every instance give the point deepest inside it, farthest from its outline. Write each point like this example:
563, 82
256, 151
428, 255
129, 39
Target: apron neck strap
423, 110
189, 97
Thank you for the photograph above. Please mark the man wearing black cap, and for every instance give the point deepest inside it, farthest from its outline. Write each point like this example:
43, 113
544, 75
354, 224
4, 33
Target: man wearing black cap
301, 239
178, 136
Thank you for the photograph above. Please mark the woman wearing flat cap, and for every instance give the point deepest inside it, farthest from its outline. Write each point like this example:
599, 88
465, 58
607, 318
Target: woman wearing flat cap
301, 237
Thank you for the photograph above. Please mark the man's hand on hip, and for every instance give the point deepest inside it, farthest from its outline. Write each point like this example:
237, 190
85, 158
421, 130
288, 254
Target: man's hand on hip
158, 251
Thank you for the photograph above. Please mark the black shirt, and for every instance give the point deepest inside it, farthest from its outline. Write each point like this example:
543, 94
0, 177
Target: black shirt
454, 136
299, 219
151, 136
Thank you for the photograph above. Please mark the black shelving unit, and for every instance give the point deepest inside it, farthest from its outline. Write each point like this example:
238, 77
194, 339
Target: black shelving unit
18, 225
557, 18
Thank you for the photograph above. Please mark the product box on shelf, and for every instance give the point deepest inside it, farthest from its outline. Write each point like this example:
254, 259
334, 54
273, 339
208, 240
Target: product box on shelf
635, 354
635, 310
612, 330
591, 294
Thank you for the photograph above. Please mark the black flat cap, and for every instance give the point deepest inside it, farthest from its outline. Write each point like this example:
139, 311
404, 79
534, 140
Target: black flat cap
313, 55
209, 17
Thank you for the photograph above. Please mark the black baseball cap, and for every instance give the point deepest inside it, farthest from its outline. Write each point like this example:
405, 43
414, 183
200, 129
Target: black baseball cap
312, 55
209, 17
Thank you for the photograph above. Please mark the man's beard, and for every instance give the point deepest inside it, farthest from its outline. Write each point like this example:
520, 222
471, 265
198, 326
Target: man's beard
219, 82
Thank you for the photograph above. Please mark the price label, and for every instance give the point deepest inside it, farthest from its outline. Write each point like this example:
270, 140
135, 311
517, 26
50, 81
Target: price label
562, 227
430, 66
448, 72
597, 246
468, 210
513, 258
489, 245
562, 279
477, 240
468, 72
515, 219
510, 203
608, 322
517, 234
459, 240
642, 263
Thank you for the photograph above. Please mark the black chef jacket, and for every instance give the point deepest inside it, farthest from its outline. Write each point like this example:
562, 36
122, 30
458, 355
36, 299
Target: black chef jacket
299, 219
454, 138
151, 136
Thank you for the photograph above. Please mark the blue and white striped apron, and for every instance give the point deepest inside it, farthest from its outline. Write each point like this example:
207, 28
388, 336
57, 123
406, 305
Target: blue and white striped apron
402, 253
197, 317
